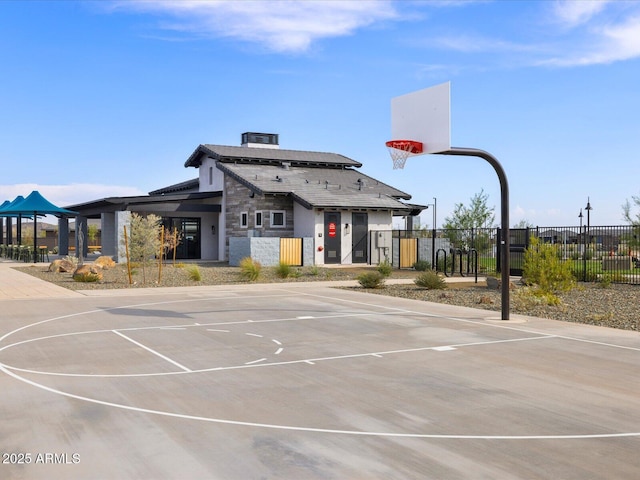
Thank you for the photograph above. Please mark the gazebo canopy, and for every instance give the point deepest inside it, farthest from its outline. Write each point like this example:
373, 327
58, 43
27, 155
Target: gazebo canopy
4, 212
35, 204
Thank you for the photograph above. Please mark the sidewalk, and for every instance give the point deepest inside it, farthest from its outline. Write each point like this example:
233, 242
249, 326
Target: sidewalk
15, 284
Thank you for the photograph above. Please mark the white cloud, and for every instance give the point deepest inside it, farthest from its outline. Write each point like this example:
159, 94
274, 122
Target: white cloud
572, 13
601, 32
281, 26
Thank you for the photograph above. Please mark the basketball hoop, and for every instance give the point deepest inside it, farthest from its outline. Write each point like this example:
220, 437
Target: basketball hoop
400, 150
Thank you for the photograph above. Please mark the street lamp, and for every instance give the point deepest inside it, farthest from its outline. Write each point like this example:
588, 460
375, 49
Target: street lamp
588, 209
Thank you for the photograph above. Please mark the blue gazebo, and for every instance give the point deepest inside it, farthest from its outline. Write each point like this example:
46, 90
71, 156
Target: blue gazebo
34, 205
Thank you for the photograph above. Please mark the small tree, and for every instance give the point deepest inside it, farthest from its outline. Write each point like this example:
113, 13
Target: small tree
633, 219
92, 233
630, 217
172, 238
144, 240
478, 214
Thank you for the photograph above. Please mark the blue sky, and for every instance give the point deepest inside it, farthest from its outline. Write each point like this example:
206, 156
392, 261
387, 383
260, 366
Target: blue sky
104, 98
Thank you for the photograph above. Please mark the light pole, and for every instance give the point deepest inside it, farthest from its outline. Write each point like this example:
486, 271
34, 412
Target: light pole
584, 257
588, 208
433, 233
435, 203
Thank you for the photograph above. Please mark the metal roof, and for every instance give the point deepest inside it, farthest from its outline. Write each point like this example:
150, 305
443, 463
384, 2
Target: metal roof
267, 155
318, 187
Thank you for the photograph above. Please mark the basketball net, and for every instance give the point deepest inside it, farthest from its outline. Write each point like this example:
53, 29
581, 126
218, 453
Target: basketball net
399, 156
400, 150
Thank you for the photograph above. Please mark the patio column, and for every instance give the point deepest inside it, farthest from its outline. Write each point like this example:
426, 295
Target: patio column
9, 231
63, 236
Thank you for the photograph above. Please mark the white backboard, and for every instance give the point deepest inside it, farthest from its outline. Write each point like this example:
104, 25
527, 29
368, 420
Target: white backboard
424, 116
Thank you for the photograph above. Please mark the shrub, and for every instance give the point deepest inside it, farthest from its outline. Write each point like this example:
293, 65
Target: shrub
193, 271
283, 269
544, 268
385, 268
430, 280
371, 279
315, 271
422, 265
250, 269
527, 298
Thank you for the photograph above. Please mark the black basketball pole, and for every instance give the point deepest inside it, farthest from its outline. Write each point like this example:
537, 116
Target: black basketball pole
504, 217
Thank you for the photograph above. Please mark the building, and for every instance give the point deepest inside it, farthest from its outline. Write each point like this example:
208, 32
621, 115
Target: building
258, 190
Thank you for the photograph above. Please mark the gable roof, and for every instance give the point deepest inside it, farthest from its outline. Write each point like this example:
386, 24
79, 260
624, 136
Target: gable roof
274, 156
319, 187
182, 187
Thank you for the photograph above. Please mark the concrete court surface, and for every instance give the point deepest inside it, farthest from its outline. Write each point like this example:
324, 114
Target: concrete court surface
302, 381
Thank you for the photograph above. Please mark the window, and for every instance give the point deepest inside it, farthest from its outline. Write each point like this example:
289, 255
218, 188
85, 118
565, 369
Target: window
258, 219
278, 219
210, 175
244, 219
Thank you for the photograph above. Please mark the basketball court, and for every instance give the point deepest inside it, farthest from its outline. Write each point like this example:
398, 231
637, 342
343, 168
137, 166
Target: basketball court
306, 381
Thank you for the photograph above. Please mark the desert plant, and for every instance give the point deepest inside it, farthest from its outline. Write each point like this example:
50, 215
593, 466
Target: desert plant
371, 279
193, 271
72, 260
545, 269
283, 269
422, 266
385, 268
430, 280
250, 269
526, 298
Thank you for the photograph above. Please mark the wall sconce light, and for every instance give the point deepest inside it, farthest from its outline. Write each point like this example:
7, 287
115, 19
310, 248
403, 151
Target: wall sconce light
346, 228
213, 229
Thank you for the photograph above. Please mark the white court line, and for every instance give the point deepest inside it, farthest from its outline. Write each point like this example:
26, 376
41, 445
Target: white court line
310, 361
255, 361
322, 430
152, 351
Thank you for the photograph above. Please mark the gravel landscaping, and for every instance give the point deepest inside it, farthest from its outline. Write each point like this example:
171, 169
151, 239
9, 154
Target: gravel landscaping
616, 306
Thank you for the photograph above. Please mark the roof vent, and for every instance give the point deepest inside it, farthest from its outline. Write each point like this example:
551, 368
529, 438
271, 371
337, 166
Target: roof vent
260, 140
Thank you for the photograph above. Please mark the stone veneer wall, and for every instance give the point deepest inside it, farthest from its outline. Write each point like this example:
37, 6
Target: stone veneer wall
238, 199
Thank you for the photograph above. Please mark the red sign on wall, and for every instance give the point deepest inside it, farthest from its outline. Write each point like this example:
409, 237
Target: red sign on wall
332, 229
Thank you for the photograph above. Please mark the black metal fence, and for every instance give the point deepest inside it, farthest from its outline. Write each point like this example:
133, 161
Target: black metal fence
595, 253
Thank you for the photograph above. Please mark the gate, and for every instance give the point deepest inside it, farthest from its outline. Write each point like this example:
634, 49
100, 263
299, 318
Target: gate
291, 251
408, 252
518, 243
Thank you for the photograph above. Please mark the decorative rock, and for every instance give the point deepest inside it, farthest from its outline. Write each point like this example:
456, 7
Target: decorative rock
104, 262
494, 283
485, 300
61, 266
87, 273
